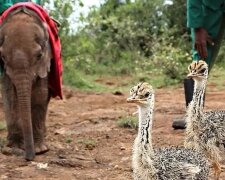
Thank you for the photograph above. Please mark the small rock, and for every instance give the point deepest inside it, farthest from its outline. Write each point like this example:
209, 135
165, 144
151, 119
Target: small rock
61, 131
42, 165
60, 156
118, 93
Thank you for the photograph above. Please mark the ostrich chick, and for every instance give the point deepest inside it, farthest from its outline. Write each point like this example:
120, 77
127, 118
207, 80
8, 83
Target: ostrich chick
205, 131
173, 163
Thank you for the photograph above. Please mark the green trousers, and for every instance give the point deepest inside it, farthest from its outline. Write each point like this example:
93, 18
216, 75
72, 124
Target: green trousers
216, 30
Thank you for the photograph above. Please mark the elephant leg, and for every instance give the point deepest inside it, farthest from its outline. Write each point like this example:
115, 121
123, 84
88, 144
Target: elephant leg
10, 105
39, 106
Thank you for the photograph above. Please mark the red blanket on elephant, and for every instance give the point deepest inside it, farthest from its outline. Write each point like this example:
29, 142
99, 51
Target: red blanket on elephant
55, 76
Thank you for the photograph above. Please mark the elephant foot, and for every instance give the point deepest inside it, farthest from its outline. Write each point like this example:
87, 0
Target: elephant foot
12, 151
17, 148
15, 144
41, 148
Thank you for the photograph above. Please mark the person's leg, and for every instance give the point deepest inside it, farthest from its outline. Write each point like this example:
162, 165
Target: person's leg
179, 123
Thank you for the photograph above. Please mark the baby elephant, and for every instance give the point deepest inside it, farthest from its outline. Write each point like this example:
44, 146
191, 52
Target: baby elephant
26, 55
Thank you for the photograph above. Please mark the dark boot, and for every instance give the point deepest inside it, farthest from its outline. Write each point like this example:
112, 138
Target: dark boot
188, 90
179, 123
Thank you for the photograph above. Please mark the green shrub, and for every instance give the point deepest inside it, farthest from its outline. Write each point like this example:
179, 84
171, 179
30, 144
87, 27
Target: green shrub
89, 143
68, 140
128, 122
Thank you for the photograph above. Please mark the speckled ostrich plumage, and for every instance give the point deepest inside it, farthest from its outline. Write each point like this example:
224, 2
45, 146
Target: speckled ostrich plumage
205, 131
168, 163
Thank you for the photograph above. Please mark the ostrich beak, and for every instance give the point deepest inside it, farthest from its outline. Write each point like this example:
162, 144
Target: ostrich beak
131, 100
190, 75
136, 101
195, 76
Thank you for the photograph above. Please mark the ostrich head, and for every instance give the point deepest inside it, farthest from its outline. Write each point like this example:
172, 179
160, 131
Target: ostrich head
198, 70
141, 94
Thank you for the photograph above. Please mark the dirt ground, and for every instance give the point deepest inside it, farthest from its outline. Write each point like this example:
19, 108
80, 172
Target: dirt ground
85, 141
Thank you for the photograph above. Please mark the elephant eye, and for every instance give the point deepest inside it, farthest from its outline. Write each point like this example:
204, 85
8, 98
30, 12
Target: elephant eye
3, 57
39, 56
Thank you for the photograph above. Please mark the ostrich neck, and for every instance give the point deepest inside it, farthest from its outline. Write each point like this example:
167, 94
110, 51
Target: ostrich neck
195, 109
144, 138
144, 159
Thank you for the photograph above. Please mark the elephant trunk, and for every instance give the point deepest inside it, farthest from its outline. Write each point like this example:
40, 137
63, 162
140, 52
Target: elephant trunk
23, 87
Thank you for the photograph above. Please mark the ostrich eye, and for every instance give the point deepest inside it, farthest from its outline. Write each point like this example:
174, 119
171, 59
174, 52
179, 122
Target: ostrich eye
202, 71
147, 94
131, 92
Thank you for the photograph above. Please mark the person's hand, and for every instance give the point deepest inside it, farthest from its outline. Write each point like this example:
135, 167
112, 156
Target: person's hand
201, 39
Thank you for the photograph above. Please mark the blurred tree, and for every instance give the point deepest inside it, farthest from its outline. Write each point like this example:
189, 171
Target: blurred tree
127, 25
134, 34
61, 11
177, 23
176, 15
124, 36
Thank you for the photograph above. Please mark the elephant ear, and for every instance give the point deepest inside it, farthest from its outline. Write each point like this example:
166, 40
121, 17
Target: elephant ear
44, 58
1, 43
1, 38
43, 66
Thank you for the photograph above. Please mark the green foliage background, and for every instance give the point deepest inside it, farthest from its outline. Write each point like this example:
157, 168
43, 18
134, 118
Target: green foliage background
145, 40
